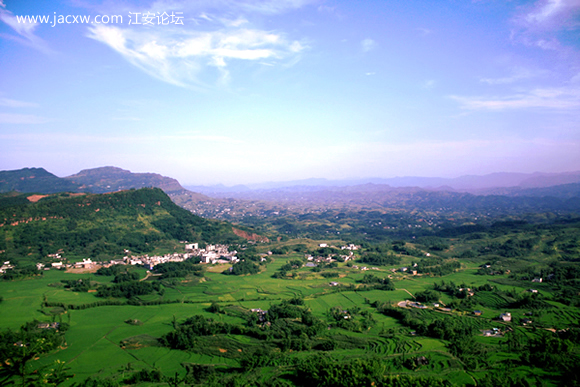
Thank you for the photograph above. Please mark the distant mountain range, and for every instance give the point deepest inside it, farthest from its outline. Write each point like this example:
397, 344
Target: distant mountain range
111, 179
468, 183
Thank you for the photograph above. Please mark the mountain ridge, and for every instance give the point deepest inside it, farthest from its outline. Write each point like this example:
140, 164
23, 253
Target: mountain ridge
110, 179
466, 183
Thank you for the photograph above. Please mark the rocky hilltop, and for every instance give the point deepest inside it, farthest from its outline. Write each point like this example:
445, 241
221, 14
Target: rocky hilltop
110, 179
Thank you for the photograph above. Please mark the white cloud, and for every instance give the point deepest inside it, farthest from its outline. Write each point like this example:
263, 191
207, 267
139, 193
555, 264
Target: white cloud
368, 44
178, 56
560, 98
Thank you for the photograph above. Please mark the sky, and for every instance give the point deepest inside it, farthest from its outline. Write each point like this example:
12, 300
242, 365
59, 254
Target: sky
248, 91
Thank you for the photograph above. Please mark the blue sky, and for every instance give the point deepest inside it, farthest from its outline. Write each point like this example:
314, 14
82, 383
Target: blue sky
246, 91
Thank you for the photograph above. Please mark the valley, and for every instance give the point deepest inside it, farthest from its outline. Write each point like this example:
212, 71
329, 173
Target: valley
419, 290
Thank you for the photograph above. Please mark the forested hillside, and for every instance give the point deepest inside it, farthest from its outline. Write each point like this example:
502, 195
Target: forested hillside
93, 225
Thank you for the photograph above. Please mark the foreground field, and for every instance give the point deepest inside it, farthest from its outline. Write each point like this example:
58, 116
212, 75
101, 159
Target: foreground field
361, 320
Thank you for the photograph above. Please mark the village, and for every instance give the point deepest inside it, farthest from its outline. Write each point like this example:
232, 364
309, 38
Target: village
211, 254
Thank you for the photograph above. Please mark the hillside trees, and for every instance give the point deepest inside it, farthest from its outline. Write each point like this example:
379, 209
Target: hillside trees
17, 349
102, 226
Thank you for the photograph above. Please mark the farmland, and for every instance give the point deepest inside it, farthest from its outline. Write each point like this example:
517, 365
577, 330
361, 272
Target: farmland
101, 344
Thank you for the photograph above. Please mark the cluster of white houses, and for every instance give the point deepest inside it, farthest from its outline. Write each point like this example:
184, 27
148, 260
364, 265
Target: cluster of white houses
212, 253
332, 257
209, 254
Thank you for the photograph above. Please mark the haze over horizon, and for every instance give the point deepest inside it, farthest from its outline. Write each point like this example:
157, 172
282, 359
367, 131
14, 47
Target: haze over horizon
251, 91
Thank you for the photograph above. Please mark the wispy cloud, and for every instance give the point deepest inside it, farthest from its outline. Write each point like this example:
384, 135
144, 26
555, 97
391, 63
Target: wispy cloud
24, 30
180, 55
424, 31
550, 13
517, 74
429, 84
269, 6
209, 138
560, 98
135, 119
12, 103
10, 118
539, 24
368, 44
78, 138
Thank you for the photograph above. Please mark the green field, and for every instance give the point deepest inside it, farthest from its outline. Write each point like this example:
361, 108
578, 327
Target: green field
100, 342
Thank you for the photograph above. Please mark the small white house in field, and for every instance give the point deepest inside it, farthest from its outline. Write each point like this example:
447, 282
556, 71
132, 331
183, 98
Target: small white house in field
86, 263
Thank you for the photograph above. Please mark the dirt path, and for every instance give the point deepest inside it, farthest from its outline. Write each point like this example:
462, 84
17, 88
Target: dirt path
411, 294
95, 343
149, 274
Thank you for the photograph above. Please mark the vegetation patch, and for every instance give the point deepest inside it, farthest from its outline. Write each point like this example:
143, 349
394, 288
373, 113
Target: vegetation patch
138, 342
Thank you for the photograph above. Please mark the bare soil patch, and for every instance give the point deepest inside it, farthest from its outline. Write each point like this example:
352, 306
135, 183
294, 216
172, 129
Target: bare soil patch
35, 198
83, 270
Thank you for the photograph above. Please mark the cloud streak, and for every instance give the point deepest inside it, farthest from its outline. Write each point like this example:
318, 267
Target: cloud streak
517, 74
25, 31
559, 98
121, 140
12, 103
11, 118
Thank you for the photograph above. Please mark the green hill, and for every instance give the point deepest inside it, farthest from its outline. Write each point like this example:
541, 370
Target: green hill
100, 225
